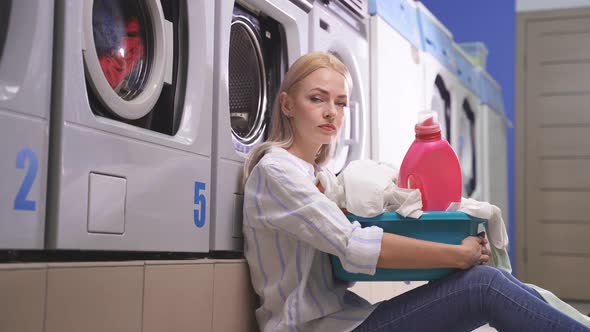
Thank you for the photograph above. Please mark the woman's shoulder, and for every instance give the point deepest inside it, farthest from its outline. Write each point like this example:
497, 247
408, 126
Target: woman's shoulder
271, 159
272, 165
279, 161
272, 156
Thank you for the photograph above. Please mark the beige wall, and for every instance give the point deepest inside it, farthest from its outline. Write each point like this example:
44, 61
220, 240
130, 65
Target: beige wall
141, 296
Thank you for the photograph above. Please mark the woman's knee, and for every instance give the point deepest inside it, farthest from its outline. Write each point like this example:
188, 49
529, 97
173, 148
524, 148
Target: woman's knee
483, 274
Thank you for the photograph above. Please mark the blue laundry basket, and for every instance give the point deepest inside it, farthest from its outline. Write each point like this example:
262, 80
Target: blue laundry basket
444, 227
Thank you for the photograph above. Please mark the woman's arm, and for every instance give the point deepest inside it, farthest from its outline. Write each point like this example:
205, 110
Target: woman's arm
403, 252
282, 198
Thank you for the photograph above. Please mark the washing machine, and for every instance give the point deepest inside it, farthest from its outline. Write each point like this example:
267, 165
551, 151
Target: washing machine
255, 42
340, 27
26, 34
493, 128
439, 68
464, 117
397, 93
130, 133
396, 97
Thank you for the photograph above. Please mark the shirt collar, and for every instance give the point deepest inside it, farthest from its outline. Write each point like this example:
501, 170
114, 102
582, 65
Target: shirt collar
309, 168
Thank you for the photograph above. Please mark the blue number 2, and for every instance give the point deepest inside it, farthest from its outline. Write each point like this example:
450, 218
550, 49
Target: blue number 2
201, 201
20, 201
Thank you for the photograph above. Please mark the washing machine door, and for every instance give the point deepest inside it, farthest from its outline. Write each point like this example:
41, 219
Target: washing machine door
127, 54
466, 151
4, 20
437, 104
349, 145
441, 104
247, 82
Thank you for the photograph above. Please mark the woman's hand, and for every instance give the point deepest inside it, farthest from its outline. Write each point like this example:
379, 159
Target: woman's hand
473, 252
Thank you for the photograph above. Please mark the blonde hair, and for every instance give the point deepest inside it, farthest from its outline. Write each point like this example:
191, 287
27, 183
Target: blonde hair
281, 133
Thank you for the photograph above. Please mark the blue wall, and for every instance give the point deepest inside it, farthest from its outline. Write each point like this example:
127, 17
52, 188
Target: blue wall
492, 22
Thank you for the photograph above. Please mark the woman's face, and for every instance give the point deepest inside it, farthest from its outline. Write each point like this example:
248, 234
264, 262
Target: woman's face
316, 107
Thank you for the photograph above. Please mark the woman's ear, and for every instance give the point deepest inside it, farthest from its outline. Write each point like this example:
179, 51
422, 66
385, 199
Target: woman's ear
285, 104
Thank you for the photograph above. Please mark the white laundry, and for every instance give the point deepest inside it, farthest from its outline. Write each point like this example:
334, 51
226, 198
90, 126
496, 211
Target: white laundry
497, 235
333, 189
406, 202
367, 188
365, 182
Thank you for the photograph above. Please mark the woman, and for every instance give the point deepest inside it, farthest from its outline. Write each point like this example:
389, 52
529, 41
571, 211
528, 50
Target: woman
290, 227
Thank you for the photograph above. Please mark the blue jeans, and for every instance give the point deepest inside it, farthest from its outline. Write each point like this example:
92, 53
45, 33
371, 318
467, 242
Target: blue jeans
467, 300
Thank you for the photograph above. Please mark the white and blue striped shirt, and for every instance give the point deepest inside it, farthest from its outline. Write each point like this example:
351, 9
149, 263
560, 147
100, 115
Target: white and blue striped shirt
290, 227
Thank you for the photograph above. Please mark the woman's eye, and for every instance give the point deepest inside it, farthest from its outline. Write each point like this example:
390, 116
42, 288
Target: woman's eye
315, 99
343, 105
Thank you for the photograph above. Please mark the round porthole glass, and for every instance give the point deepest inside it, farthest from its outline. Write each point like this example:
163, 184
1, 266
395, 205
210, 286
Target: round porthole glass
122, 39
247, 83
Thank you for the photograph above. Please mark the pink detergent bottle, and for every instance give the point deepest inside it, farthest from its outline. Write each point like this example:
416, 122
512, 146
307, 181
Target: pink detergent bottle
431, 165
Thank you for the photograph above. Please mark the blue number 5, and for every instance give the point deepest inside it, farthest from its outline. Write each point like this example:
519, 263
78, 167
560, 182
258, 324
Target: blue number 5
201, 200
20, 201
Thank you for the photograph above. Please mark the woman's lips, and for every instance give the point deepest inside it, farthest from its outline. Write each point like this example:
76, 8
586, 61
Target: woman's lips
328, 126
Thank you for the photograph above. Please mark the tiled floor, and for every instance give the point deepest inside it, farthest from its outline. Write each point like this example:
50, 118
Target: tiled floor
583, 307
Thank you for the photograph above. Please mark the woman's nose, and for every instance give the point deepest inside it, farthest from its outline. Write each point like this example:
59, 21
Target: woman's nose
330, 111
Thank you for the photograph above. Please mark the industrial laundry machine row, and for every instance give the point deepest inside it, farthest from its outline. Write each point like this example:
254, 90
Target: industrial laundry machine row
125, 124
106, 113
416, 65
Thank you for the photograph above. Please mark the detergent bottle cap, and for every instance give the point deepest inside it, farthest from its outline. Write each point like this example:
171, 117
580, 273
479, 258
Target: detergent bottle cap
428, 125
